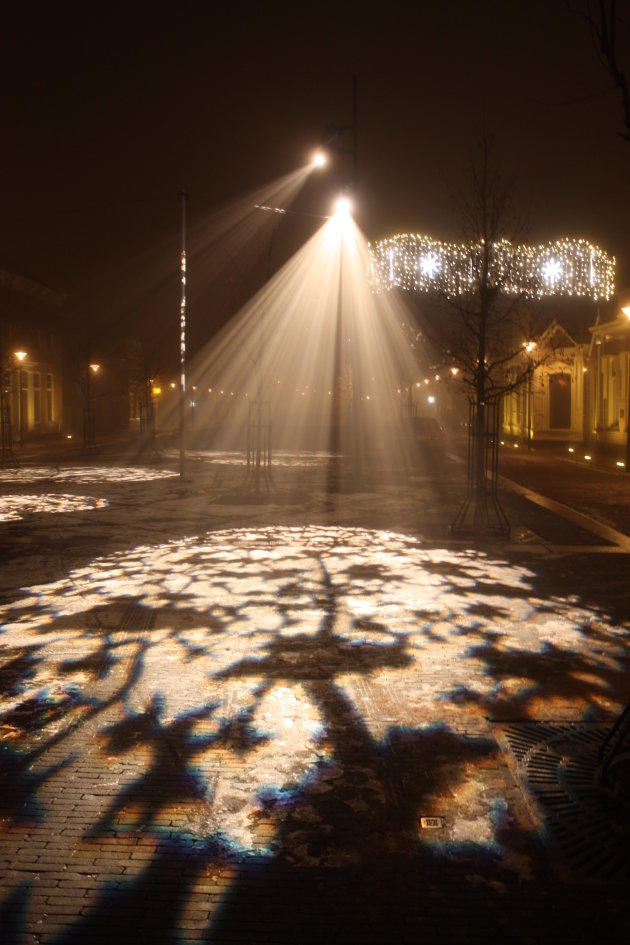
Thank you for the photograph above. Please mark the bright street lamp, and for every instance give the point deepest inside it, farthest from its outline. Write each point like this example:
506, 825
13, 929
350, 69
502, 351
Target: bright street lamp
320, 159
343, 206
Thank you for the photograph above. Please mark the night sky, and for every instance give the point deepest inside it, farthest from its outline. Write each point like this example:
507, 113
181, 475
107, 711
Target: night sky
109, 111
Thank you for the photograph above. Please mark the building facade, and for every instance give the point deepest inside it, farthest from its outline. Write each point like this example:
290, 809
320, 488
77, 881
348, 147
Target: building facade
609, 372
31, 402
579, 392
550, 405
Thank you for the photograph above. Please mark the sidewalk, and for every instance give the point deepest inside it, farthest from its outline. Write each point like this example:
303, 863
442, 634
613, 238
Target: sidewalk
309, 718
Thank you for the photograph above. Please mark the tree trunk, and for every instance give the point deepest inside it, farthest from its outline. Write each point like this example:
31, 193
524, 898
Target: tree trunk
480, 515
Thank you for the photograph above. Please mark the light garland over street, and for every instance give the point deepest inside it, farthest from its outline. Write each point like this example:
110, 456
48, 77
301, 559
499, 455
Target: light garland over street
567, 266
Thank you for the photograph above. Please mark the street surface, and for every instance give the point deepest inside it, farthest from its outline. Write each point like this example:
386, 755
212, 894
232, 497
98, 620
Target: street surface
597, 490
271, 712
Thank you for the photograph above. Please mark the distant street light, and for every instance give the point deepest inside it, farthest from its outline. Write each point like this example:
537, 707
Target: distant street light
7, 369
20, 355
89, 439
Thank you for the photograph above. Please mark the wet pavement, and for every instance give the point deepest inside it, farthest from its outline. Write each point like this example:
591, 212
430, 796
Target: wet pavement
239, 711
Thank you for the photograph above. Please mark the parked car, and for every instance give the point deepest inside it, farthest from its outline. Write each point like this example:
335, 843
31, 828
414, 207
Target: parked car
429, 438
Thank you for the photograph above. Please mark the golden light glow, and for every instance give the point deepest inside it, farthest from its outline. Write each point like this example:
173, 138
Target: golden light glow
15, 507
20, 355
343, 206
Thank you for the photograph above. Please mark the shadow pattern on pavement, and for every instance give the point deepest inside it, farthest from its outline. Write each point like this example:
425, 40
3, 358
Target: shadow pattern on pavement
234, 738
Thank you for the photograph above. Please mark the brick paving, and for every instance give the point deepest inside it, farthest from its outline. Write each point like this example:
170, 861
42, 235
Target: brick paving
222, 720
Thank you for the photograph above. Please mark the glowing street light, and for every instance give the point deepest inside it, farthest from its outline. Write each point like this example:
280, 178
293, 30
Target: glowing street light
343, 207
89, 441
5, 411
20, 356
320, 159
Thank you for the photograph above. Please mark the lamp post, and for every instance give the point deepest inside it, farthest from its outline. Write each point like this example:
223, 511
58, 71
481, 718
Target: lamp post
20, 355
626, 311
344, 327
89, 439
7, 368
337, 138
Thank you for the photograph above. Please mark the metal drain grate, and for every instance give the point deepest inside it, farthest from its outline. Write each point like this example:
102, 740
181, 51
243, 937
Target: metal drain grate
557, 764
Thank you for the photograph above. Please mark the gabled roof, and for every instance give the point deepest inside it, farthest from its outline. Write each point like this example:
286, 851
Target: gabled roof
556, 336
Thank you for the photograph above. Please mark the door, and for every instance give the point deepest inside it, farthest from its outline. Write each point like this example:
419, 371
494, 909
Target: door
560, 401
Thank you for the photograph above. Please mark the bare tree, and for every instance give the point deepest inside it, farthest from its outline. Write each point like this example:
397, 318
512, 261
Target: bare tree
605, 22
487, 321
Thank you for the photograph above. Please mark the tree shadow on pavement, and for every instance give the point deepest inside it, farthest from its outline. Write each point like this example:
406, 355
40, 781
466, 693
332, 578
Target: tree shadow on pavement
346, 858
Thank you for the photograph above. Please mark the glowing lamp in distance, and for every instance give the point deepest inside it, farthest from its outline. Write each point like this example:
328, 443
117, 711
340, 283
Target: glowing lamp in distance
343, 206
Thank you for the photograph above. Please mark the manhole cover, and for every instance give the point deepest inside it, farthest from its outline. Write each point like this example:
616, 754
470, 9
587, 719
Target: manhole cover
557, 764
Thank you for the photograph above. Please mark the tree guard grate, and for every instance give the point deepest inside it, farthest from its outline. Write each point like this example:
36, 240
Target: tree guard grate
557, 764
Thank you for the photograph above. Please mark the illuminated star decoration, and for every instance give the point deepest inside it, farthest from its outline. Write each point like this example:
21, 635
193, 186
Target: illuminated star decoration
429, 265
552, 270
567, 266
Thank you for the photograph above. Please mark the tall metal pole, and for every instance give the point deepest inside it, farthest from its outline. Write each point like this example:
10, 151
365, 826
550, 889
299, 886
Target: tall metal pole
20, 420
355, 137
87, 420
182, 338
529, 411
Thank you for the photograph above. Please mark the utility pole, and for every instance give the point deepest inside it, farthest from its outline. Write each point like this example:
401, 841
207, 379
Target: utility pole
182, 338
351, 185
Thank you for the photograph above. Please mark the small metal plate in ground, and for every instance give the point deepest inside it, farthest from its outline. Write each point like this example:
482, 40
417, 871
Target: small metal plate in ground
556, 763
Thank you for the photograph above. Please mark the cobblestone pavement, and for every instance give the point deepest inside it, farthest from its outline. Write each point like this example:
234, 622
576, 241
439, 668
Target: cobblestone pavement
239, 712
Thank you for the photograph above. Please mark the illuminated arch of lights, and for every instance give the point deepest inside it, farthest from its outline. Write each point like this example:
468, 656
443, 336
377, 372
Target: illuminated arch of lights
569, 267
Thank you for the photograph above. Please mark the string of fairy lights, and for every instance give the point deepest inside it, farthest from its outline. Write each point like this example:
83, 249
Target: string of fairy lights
570, 267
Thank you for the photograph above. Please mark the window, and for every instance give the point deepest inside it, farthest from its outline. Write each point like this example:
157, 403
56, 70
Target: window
37, 398
560, 401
